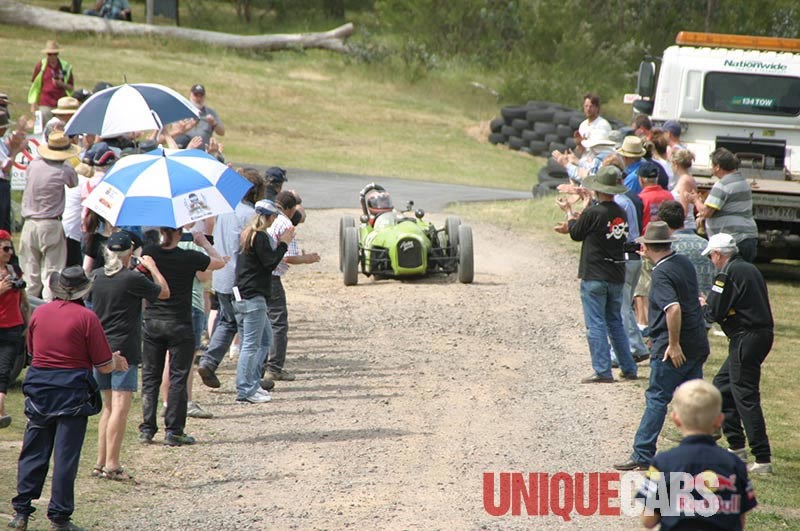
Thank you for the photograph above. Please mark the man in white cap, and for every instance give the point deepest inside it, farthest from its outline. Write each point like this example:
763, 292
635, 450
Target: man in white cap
43, 246
52, 79
739, 302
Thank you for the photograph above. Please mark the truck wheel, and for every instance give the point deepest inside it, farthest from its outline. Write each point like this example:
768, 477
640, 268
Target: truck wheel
344, 223
350, 256
451, 225
466, 266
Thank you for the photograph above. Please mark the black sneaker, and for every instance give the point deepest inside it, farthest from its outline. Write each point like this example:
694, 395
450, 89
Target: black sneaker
174, 439
65, 526
596, 378
20, 521
641, 357
630, 465
208, 376
629, 376
267, 384
145, 438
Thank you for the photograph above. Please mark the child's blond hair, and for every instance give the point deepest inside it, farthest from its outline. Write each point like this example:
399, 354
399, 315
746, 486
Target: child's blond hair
698, 404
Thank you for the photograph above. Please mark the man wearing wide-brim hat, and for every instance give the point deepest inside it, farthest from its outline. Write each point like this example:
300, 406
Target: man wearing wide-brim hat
67, 107
632, 151
678, 334
603, 229
52, 79
43, 246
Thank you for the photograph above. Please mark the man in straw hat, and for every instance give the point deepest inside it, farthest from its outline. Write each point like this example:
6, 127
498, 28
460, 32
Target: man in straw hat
632, 151
67, 107
43, 247
603, 229
66, 341
680, 345
52, 79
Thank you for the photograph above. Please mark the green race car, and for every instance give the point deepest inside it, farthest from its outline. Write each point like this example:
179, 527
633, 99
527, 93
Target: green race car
392, 244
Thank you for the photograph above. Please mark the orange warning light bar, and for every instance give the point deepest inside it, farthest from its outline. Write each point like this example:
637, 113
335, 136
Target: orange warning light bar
721, 40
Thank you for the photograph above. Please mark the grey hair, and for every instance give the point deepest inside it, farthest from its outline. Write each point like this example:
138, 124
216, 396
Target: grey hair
728, 251
114, 263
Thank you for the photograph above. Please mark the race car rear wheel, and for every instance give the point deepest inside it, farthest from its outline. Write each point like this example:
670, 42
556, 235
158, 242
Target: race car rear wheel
345, 222
350, 256
466, 265
451, 225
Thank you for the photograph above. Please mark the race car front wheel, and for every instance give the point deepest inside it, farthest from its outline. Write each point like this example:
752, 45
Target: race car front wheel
344, 223
349, 256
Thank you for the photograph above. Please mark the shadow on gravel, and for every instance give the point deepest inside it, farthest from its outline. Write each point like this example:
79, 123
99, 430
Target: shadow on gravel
331, 388
338, 397
316, 436
266, 412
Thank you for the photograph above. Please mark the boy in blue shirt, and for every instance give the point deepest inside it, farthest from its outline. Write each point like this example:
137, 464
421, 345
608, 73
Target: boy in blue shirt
717, 491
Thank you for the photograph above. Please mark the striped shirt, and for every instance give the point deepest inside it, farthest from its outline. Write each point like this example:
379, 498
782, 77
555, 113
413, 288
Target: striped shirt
732, 201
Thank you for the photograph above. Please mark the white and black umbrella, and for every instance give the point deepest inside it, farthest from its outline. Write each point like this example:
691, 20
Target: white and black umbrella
128, 108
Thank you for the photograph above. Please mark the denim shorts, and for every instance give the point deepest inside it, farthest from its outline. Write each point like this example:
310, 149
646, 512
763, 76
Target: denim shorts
119, 380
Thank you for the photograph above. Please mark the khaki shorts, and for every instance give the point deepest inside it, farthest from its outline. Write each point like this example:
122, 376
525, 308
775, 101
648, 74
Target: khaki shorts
643, 287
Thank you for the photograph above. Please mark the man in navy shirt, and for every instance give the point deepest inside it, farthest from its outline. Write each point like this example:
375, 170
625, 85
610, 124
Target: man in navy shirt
680, 346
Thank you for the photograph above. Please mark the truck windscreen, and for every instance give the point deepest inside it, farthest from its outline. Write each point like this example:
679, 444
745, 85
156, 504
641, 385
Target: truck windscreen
752, 94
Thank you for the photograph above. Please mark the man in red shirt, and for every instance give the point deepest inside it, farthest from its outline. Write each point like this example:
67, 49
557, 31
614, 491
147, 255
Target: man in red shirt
66, 341
52, 79
652, 195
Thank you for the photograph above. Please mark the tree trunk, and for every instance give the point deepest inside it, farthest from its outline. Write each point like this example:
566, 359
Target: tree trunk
16, 13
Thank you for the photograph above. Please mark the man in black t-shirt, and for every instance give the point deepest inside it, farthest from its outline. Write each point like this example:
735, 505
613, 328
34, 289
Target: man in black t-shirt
168, 326
674, 313
603, 229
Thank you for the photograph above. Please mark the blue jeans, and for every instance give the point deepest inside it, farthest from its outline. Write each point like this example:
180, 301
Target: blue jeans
251, 315
633, 270
223, 333
602, 312
664, 379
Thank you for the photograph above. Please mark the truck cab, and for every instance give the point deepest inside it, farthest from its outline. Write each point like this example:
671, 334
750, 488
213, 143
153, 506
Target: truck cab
741, 93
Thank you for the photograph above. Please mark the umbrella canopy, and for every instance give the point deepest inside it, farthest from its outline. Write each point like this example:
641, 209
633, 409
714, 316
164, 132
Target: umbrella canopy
127, 108
167, 188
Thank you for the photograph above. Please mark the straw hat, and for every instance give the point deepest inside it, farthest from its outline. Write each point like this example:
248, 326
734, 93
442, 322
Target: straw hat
58, 147
51, 47
657, 232
66, 106
70, 284
632, 147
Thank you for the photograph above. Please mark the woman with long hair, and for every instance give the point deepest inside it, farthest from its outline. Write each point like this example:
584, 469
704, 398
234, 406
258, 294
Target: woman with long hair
258, 258
13, 310
685, 190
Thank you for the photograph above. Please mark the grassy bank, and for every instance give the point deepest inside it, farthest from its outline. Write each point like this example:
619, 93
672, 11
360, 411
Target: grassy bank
778, 495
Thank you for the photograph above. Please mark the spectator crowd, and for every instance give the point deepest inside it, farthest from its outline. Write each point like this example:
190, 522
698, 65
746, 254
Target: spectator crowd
100, 307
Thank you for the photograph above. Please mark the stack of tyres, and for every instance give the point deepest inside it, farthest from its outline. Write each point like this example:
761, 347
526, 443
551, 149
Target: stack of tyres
538, 127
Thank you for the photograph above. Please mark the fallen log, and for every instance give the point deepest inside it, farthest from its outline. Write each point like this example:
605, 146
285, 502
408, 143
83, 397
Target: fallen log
16, 13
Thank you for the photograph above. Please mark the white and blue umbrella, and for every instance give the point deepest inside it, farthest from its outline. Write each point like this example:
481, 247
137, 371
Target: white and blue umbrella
128, 108
167, 188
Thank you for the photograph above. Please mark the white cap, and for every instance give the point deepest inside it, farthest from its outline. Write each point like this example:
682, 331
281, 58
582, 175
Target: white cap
720, 242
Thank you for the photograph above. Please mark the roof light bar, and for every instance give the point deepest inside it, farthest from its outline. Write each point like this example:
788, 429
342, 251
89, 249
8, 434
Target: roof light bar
721, 40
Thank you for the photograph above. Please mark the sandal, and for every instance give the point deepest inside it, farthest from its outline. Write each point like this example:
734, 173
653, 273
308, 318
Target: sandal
98, 471
117, 475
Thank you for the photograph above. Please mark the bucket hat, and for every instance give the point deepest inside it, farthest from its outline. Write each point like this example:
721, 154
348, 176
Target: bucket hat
656, 232
70, 284
51, 47
632, 147
66, 105
58, 147
606, 180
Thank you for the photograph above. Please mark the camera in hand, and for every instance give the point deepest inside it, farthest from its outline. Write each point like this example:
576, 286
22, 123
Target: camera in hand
139, 266
18, 284
631, 247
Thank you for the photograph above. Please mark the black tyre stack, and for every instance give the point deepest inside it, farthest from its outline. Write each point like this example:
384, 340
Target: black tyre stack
538, 127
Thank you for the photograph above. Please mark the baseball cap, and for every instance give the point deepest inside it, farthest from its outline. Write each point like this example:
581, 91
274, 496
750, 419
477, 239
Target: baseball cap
672, 126
274, 174
647, 170
265, 207
720, 242
119, 241
198, 89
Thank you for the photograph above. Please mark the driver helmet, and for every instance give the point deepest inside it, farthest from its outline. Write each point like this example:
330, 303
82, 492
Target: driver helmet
379, 202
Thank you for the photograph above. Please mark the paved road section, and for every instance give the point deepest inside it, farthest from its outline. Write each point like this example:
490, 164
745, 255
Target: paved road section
340, 190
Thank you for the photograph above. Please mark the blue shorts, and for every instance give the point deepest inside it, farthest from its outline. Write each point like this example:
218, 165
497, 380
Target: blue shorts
119, 380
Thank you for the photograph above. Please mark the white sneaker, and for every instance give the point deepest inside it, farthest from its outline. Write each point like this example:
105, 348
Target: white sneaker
760, 468
257, 398
233, 351
263, 391
741, 453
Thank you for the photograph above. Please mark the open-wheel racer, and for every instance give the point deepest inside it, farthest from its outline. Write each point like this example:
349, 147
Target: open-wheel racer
392, 244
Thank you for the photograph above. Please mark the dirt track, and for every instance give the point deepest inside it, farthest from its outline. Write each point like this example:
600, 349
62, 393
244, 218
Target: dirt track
407, 392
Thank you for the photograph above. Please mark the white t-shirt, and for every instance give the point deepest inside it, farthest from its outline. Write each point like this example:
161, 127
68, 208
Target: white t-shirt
597, 128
